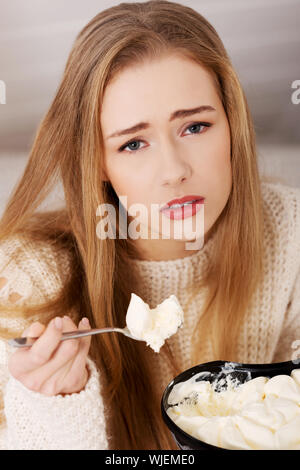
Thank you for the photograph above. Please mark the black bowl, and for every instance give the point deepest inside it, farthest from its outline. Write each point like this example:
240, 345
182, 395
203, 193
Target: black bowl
216, 368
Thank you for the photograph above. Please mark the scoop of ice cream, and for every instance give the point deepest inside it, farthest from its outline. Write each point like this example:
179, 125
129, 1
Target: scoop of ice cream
296, 375
154, 325
283, 386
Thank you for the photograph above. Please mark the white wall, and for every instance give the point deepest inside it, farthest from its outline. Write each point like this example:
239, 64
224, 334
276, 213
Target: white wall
261, 36
12, 166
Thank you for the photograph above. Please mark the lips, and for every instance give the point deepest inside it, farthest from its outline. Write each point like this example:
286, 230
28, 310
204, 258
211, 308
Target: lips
182, 200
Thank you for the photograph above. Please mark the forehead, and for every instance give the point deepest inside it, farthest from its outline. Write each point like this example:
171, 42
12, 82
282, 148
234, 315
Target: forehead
156, 87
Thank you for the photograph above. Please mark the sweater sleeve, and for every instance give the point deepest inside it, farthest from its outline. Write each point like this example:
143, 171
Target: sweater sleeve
288, 346
28, 419
40, 422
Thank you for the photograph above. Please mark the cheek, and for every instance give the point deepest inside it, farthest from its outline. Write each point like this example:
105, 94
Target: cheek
216, 174
129, 181
220, 161
221, 180
214, 168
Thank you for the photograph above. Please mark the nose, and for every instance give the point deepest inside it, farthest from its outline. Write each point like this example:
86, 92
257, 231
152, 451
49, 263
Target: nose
173, 167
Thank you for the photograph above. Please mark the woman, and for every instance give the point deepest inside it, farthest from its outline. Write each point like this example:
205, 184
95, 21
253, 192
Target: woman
140, 63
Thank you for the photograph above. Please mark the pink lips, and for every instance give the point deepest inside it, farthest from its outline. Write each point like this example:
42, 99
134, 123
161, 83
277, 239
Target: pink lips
183, 212
182, 200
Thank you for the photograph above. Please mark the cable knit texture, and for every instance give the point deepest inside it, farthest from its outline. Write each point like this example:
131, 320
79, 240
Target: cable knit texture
271, 331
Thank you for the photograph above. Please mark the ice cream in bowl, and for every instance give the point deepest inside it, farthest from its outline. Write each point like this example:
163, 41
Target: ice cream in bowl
223, 405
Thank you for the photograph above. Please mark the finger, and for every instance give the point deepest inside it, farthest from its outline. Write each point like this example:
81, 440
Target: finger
65, 350
19, 364
49, 377
34, 330
79, 362
43, 348
29, 359
68, 353
76, 367
85, 341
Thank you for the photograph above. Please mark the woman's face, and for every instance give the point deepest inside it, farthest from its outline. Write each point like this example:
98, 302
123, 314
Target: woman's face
170, 156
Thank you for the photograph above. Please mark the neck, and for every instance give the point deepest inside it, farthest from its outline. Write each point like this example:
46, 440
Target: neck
164, 250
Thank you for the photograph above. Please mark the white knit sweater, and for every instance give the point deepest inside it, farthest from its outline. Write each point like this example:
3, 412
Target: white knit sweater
30, 420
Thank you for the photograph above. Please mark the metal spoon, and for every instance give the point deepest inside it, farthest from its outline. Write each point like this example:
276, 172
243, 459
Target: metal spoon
27, 341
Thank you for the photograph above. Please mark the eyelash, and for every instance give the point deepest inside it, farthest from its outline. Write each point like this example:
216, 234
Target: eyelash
205, 124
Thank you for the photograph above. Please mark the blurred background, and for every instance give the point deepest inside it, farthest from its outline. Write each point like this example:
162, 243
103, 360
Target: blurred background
262, 38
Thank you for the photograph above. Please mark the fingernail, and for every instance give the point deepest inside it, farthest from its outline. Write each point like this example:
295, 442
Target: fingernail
85, 321
58, 323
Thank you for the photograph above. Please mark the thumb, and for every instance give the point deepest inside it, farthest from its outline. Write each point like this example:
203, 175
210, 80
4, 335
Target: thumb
34, 330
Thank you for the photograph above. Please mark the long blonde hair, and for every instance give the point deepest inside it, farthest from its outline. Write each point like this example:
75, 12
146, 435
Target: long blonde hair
69, 146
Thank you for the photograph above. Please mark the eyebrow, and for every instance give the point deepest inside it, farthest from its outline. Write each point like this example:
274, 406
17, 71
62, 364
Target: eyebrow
180, 113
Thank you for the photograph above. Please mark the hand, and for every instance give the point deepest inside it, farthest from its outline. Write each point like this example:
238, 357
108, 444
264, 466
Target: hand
51, 366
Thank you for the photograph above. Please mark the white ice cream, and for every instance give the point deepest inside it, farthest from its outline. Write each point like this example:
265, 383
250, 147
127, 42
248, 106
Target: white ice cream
154, 325
261, 413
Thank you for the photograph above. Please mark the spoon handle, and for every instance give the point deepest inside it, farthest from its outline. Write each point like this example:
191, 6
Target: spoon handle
27, 341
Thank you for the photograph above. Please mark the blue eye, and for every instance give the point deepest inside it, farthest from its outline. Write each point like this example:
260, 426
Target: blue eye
121, 149
195, 124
